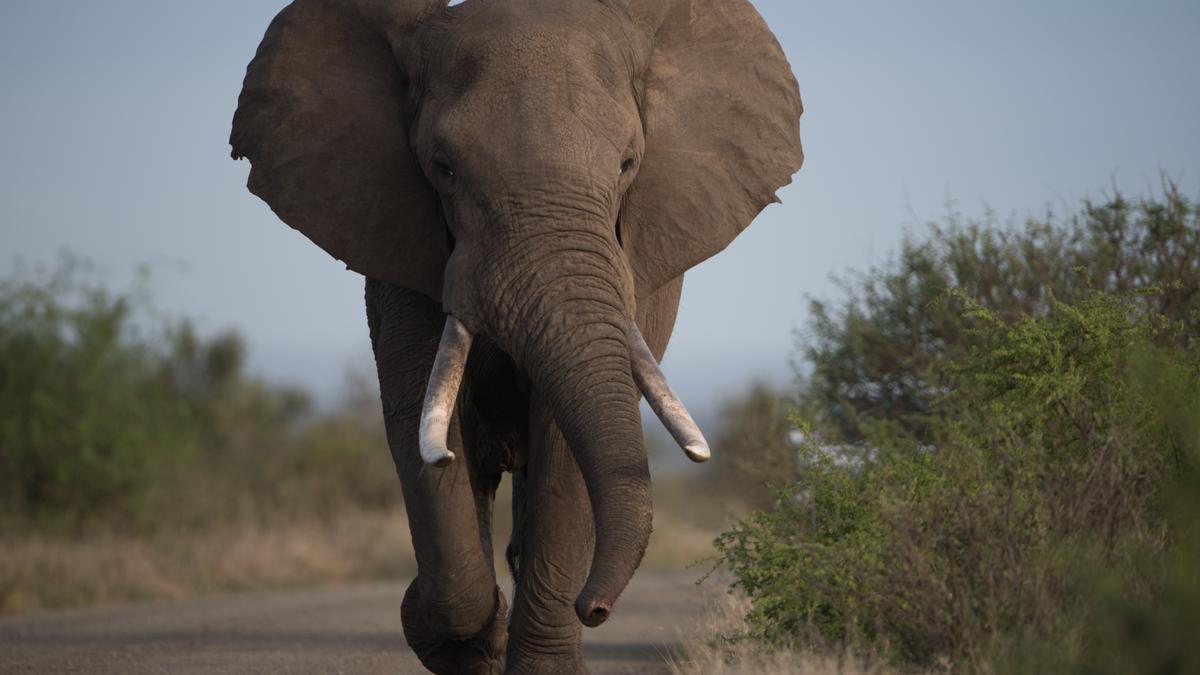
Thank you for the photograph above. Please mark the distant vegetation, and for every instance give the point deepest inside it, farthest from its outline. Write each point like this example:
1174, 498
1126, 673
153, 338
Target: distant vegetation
138, 457
115, 416
996, 460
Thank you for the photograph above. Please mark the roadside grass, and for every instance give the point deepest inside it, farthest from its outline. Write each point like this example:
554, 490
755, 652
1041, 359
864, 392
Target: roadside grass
44, 571
710, 647
40, 572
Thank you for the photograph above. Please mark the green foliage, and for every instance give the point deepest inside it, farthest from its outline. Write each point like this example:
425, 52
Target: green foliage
1053, 446
112, 415
876, 354
1001, 457
80, 399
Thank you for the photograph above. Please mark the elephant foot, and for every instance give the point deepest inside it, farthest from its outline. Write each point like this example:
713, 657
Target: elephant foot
545, 665
479, 654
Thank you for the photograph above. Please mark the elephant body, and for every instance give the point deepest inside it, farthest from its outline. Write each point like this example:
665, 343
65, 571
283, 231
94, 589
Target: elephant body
500, 426
524, 184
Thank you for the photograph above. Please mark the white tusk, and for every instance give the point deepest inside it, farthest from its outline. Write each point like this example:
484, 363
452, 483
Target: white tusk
442, 391
663, 401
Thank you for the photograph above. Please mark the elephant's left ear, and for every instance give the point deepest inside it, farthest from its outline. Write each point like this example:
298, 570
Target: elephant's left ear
721, 110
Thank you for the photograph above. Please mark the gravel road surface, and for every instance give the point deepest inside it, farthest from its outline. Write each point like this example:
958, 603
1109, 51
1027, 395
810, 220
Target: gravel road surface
344, 629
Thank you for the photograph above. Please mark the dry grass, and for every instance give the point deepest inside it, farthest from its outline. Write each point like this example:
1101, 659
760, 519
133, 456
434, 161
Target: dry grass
704, 651
40, 572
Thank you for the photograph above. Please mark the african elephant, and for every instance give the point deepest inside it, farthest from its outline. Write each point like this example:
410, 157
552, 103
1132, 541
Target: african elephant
523, 183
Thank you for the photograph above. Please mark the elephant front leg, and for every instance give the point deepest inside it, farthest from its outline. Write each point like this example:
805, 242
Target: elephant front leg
453, 612
555, 549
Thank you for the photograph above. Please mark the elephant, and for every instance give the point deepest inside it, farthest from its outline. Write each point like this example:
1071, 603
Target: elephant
523, 184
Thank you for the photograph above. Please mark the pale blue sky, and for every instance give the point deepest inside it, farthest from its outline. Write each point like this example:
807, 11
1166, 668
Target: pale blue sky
115, 115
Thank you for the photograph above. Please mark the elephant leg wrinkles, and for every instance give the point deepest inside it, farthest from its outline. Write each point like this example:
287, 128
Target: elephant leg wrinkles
453, 609
555, 549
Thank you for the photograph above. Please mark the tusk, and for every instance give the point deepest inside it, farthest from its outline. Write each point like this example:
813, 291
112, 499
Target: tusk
444, 380
663, 401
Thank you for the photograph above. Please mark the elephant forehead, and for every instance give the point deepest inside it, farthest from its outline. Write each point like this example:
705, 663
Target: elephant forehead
564, 129
510, 42
531, 96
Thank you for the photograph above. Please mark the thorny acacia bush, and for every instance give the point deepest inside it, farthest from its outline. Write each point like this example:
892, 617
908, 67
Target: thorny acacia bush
1056, 452
113, 415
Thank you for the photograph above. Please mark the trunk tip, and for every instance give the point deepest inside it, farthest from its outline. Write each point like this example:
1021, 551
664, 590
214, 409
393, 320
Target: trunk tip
592, 612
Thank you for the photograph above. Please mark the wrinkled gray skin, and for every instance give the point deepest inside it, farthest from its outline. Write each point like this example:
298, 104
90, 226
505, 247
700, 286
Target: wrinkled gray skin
545, 172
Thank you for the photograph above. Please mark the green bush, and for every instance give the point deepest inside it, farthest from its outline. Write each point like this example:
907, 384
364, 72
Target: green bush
876, 353
1055, 449
82, 401
113, 416
1000, 457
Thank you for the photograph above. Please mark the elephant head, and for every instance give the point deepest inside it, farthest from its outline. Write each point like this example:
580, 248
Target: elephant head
537, 166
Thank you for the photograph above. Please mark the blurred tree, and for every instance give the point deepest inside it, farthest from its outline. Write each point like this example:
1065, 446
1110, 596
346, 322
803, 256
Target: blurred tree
756, 447
112, 415
79, 399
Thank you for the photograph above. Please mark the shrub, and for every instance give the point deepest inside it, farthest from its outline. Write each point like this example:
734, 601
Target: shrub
1056, 452
83, 401
1000, 453
876, 354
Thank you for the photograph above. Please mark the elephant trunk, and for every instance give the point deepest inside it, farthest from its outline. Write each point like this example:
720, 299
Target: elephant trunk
566, 320
594, 402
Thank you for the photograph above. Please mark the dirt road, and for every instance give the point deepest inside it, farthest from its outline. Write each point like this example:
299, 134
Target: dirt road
348, 629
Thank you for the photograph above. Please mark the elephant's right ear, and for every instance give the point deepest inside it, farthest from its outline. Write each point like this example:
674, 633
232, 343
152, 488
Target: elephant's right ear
322, 119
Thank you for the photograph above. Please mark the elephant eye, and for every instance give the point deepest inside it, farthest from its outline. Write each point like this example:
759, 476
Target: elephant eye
443, 169
626, 165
